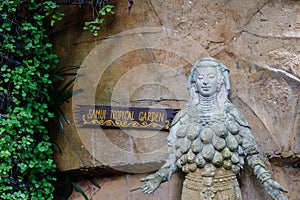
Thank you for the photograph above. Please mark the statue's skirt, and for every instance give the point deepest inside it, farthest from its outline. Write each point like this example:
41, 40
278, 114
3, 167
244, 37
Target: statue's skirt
197, 186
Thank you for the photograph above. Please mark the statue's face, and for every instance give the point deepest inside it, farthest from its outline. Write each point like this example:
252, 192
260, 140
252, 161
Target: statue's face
207, 81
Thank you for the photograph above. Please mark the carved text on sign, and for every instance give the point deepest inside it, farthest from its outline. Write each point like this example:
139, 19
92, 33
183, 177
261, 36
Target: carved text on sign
125, 117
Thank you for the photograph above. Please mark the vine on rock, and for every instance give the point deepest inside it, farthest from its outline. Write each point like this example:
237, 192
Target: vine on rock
94, 26
26, 164
30, 96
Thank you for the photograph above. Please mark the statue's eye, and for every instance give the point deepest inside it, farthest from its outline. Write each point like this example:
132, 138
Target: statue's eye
211, 76
200, 78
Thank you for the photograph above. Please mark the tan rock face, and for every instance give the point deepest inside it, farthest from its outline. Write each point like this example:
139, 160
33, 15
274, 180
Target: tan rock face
127, 187
131, 65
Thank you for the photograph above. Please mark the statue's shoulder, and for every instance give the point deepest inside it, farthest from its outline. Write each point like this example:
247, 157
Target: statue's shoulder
182, 115
238, 116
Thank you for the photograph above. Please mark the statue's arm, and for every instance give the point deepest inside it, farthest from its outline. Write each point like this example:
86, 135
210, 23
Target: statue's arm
153, 181
261, 171
255, 161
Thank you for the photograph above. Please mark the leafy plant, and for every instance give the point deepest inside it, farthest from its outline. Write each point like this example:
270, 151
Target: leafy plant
60, 93
32, 89
68, 182
94, 26
26, 164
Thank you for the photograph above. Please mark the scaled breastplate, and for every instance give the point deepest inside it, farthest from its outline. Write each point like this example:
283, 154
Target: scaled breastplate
207, 138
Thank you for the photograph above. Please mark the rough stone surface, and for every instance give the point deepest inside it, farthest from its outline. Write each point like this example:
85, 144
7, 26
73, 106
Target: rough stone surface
258, 40
128, 187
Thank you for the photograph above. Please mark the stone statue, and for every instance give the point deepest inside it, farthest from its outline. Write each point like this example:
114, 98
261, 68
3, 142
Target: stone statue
209, 140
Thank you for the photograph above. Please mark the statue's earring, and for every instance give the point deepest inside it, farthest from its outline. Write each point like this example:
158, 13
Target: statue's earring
194, 86
219, 85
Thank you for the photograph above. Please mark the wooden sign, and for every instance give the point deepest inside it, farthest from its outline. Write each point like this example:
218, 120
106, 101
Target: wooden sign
125, 117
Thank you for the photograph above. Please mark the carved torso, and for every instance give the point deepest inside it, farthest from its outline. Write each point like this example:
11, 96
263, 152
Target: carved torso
209, 136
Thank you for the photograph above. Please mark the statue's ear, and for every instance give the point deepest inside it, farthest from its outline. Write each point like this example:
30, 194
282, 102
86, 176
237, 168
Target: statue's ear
225, 72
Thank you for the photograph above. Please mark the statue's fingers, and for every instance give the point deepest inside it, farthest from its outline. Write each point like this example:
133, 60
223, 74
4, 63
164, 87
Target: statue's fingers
145, 190
144, 187
148, 190
279, 187
283, 189
282, 197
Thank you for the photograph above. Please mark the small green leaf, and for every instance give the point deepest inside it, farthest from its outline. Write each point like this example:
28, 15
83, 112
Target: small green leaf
94, 183
78, 189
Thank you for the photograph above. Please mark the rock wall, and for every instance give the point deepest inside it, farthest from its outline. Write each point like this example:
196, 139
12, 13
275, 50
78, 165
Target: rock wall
143, 59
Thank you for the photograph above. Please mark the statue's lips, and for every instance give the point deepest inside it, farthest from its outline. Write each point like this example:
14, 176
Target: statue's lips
206, 88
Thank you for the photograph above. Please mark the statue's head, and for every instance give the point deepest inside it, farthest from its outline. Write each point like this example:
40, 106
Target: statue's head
209, 77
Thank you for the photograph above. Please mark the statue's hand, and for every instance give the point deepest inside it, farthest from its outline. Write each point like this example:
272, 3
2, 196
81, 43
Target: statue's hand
275, 190
152, 183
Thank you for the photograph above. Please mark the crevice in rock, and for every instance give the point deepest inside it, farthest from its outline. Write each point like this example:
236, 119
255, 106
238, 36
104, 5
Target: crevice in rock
290, 75
121, 35
285, 159
87, 173
283, 37
153, 9
254, 14
158, 100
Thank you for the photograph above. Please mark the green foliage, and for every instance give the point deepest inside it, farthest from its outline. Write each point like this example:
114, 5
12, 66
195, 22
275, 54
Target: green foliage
31, 92
67, 183
94, 26
26, 163
56, 17
61, 91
